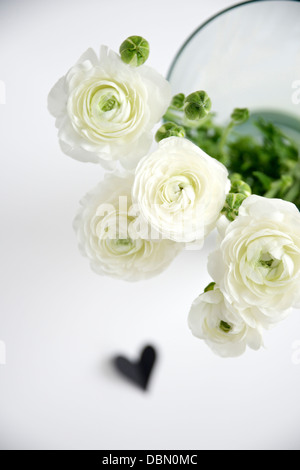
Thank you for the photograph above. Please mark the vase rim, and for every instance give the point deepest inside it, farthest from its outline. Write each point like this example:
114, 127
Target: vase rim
210, 20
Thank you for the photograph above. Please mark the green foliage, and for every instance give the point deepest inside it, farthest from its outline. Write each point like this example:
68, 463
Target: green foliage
232, 205
270, 163
267, 160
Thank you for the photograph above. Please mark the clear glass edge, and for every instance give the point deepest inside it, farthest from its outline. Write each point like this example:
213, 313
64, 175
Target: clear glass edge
207, 22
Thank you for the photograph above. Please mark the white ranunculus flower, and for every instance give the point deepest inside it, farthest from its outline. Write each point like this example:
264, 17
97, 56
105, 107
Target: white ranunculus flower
105, 110
103, 225
180, 190
257, 265
214, 320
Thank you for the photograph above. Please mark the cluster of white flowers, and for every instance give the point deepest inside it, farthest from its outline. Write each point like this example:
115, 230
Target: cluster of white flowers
134, 223
256, 270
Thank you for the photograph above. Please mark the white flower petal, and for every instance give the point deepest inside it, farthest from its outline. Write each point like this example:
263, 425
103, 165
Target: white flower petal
57, 98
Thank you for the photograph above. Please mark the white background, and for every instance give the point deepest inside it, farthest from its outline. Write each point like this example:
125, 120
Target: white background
60, 322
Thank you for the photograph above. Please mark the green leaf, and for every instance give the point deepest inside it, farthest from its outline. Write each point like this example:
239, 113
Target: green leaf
264, 179
210, 287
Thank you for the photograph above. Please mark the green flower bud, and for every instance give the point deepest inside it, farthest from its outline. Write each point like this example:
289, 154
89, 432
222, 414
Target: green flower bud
210, 286
240, 115
235, 176
134, 51
197, 105
239, 186
232, 205
178, 101
169, 129
225, 327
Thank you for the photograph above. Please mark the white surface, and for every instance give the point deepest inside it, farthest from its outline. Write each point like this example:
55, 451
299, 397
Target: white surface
60, 322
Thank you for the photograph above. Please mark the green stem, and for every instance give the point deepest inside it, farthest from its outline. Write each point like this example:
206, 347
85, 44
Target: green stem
225, 135
222, 145
293, 193
175, 116
275, 188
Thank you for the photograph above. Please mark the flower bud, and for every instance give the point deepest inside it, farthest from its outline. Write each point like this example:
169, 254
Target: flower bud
178, 101
197, 105
240, 115
134, 51
232, 205
169, 129
239, 186
235, 176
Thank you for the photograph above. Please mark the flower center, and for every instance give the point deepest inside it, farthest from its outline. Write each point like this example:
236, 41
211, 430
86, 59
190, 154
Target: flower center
178, 190
225, 327
108, 103
122, 246
266, 260
269, 265
125, 242
103, 104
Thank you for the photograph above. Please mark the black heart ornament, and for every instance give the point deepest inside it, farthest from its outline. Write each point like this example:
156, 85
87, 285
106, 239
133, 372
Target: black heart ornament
138, 372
